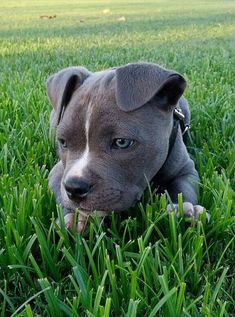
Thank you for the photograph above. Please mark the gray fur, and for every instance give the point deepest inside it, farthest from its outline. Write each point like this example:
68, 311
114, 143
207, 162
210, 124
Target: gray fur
134, 101
56, 84
136, 84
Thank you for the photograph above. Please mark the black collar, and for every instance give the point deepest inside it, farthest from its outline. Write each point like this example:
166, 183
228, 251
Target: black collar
179, 120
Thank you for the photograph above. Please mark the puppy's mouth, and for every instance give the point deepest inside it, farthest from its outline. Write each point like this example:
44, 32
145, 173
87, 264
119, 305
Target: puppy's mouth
86, 213
72, 218
80, 219
74, 207
96, 201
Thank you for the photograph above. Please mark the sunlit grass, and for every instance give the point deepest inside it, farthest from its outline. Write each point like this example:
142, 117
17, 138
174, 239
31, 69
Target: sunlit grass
144, 262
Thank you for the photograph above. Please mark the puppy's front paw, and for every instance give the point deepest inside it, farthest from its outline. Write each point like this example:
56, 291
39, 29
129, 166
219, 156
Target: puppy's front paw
69, 221
189, 210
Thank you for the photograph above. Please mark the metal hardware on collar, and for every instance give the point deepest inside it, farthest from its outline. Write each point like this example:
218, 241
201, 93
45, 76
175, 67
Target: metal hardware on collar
179, 118
179, 114
187, 127
173, 135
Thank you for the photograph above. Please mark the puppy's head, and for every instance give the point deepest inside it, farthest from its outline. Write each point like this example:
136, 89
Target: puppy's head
112, 130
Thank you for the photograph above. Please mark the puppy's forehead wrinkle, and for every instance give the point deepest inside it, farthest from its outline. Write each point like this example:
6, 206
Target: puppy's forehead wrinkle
100, 79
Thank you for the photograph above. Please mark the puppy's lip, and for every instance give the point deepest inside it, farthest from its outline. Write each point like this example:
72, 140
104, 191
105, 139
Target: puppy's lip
84, 212
101, 213
87, 212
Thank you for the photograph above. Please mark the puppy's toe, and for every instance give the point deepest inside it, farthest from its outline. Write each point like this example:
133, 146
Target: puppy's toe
68, 220
189, 210
82, 220
198, 210
172, 207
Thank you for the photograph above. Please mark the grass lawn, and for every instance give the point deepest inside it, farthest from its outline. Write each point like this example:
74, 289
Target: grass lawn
147, 263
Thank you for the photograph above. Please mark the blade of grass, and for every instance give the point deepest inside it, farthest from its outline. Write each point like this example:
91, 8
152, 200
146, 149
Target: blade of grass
27, 307
162, 301
52, 301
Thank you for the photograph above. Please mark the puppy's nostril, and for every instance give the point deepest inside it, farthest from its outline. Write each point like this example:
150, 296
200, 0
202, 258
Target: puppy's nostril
76, 188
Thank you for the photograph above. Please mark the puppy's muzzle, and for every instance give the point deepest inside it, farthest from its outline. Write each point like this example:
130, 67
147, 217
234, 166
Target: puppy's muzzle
76, 188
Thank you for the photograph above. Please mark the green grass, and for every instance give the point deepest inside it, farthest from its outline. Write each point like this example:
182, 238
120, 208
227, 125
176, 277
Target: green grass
144, 263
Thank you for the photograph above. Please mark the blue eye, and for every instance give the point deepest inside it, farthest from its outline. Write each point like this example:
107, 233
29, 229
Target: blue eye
121, 143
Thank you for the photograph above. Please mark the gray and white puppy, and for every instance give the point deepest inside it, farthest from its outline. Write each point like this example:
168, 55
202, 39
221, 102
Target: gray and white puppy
113, 130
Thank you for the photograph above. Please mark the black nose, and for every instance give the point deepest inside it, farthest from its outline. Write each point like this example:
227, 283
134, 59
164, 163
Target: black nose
76, 188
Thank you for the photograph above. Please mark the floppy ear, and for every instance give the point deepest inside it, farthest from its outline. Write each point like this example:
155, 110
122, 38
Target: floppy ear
60, 88
137, 84
170, 91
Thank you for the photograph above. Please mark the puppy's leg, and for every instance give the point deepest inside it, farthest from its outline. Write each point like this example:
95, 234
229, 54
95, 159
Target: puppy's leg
187, 185
55, 178
179, 175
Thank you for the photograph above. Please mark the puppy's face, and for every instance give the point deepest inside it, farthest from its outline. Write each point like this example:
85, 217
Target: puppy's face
109, 152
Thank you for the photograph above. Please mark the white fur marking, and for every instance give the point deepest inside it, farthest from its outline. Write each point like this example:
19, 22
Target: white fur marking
80, 164
87, 123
